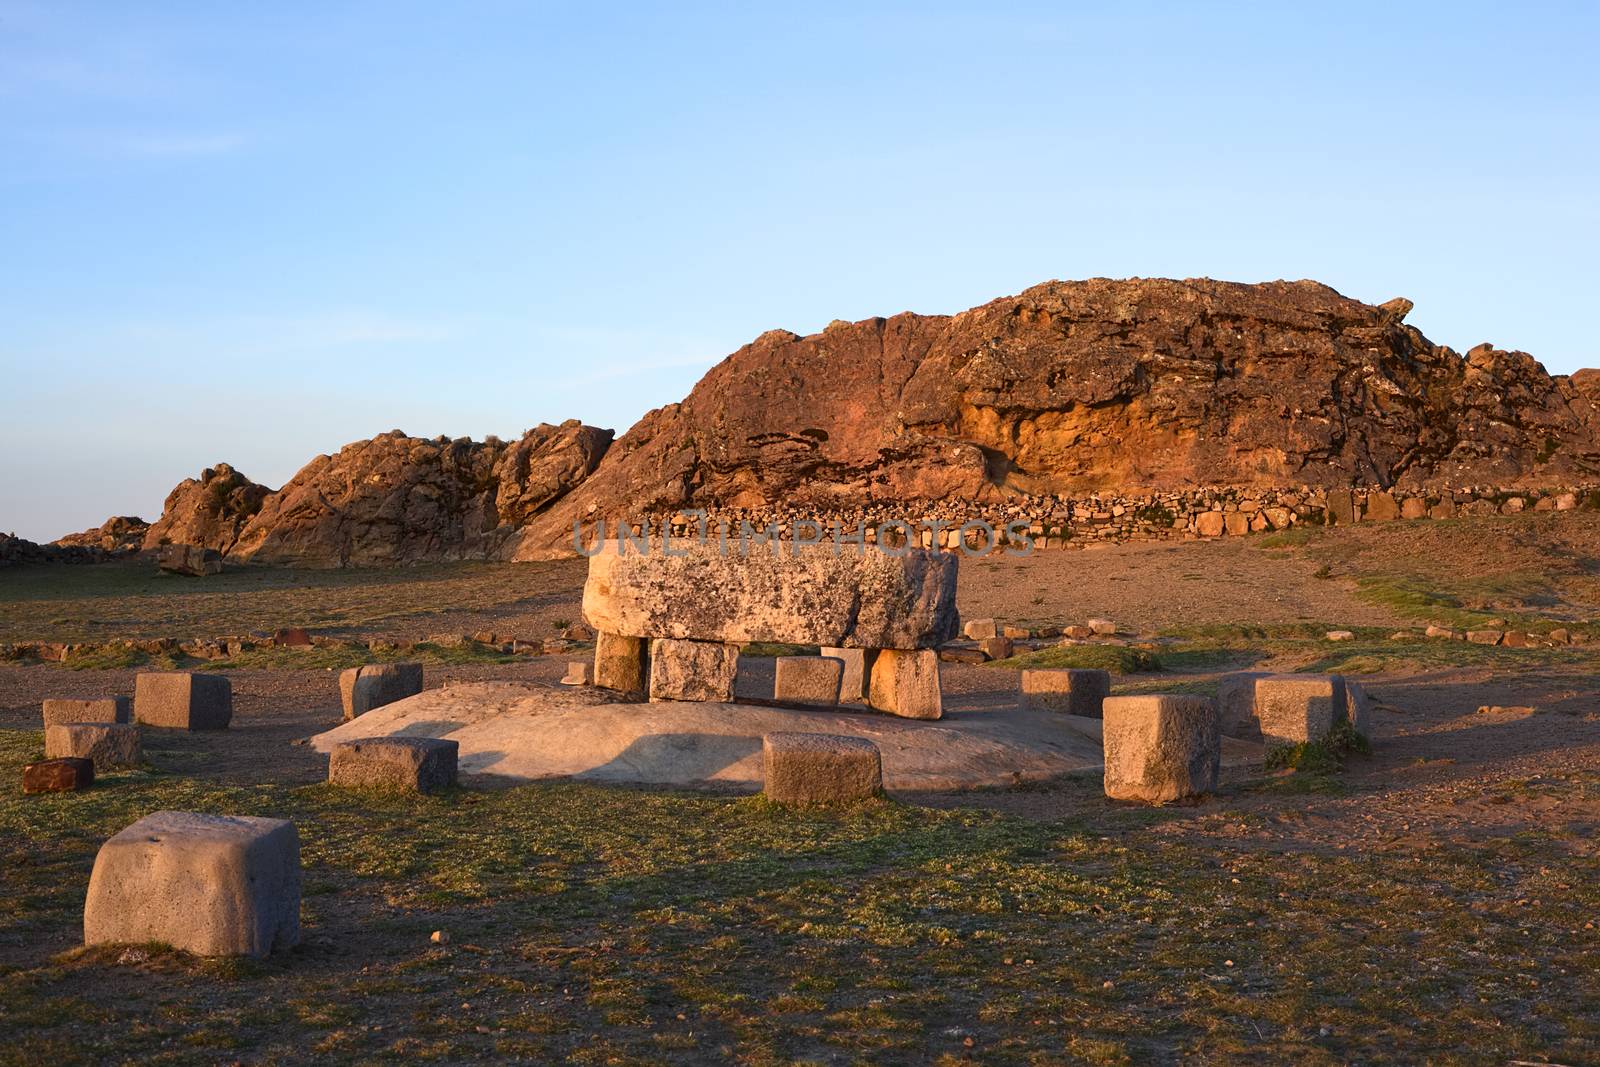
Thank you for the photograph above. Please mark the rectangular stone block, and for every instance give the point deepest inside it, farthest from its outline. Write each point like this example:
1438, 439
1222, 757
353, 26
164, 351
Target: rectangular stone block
1161, 748
1358, 708
1236, 703
1071, 690
816, 769
979, 629
621, 663
108, 745
857, 668
214, 885
809, 679
906, 683
183, 701
1294, 709
692, 670
372, 686
65, 775
104, 709
410, 764
807, 595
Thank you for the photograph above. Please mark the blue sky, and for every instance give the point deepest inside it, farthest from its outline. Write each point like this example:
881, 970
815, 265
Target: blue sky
256, 232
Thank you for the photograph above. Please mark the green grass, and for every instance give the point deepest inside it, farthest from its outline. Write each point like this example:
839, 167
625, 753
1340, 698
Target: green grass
1118, 659
129, 598
598, 925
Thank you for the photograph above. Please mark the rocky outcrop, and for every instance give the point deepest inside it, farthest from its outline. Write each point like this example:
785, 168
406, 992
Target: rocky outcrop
117, 536
399, 499
209, 511
1099, 385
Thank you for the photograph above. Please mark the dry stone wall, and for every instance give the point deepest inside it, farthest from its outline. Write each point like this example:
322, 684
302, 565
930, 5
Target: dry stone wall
1066, 523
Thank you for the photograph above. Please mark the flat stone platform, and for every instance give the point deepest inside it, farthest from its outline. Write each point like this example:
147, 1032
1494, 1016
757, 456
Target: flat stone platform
513, 732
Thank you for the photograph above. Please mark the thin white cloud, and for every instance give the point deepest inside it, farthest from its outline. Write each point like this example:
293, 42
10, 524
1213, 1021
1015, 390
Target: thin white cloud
171, 145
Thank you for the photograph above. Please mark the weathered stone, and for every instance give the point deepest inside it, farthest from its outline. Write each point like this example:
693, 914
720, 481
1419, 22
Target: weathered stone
1414, 507
1560, 635
105, 709
1015, 633
978, 629
1382, 507
68, 774
377, 684
1341, 507
1358, 708
1161, 748
410, 764
857, 666
214, 885
1236, 704
1069, 690
1515, 639
808, 595
183, 701
1298, 708
1435, 630
1236, 523
996, 647
906, 683
692, 670
1485, 637
190, 560
1210, 524
815, 769
967, 653
1103, 627
578, 673
108, 744
1340, 635
621, 663
809, 679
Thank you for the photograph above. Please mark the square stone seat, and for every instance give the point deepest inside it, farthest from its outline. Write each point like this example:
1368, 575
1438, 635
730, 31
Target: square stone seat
808, 680
906, 683
68, 774
108, 745
372, 686
1161, 748
411, 764
182, 701
104, 709
1070, 690
214, 885
815, 769
1294, 709
857, 669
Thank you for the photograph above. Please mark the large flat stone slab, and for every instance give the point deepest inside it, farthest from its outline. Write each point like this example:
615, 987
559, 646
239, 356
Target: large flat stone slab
808, 596
511, 732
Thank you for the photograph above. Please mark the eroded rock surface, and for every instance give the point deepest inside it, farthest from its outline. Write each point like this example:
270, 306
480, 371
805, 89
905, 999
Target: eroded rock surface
1070, 387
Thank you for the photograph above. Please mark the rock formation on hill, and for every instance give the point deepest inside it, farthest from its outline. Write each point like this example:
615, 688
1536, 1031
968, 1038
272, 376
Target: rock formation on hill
1065, 389
117, 536
208, 511
391, 499
1072, 387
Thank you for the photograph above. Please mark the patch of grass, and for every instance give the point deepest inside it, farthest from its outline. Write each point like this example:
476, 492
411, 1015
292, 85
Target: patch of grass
597, 925
1319, 757
130, 598
1293, 537
1118, 659
104, 658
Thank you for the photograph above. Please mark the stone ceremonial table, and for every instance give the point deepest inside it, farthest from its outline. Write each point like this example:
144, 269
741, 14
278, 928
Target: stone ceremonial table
655, 613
